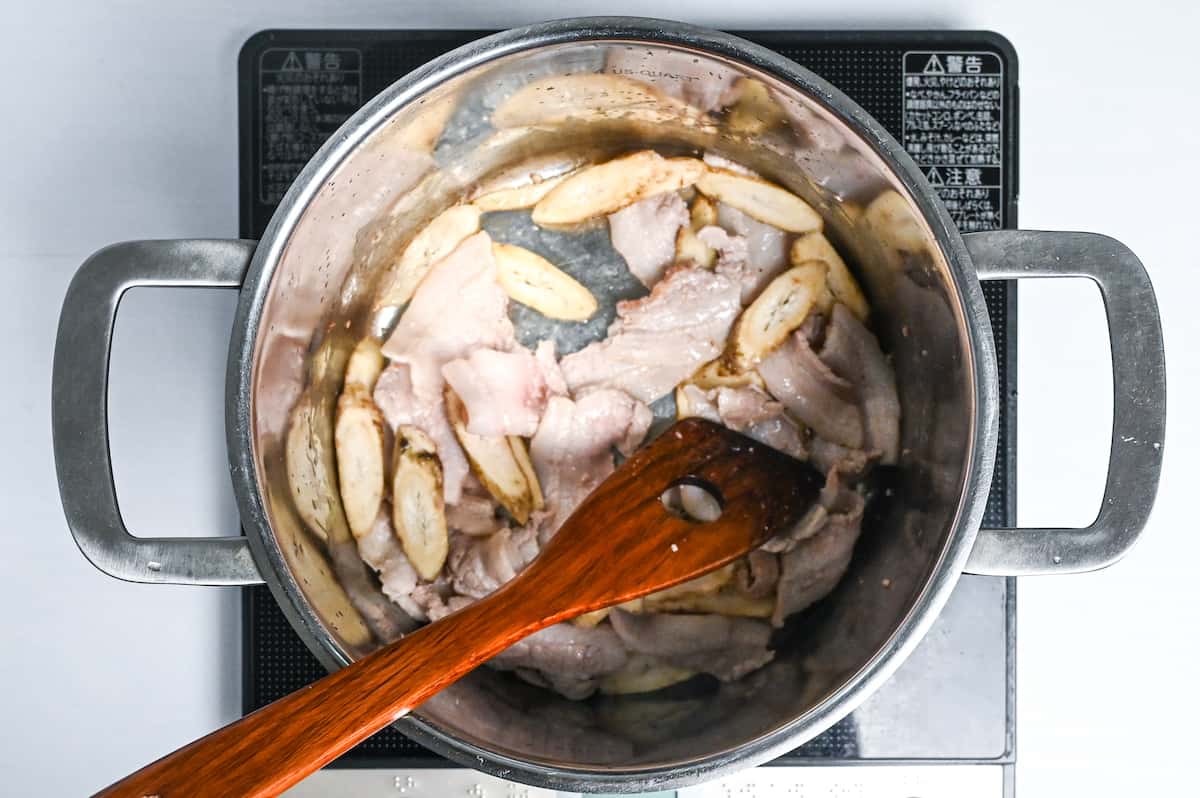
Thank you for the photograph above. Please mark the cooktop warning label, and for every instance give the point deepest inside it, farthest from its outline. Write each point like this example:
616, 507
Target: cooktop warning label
953, 129
305, 95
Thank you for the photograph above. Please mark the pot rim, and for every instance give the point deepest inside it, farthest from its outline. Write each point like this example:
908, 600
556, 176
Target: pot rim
981, 372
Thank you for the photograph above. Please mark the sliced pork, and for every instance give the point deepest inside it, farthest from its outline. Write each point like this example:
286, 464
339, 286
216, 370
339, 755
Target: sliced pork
694, 401
748, 410
381, 549
433, 599
850, 463
640, 420
753, 413
837, 498
758, 574
572, 450
644, 233
812, 522
458, 307
810, 570
403, 403
742, 407
851, 350
779, 432
766, 251
504, 392
812, 392
813, 329
658, 341
727, 648
547, 362
732, 252
478, 565
437, 611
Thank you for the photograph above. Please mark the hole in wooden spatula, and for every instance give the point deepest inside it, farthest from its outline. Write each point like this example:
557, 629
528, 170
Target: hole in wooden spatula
693, 499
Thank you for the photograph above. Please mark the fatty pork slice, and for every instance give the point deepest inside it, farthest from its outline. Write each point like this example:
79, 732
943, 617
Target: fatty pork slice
572, 450
852, 351
504, 392
547, 362
644, 233
459, 306
750, 411
757, 579
478, 566
658, 341
812, 392
412, 396
765, 247
569, 657
811, 570
732, 251
850, 463
381, 550
696, 402
437, 600
725, 647
815, 553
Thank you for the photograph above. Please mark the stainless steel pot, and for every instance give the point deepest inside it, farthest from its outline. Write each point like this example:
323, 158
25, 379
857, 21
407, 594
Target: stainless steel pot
305, 298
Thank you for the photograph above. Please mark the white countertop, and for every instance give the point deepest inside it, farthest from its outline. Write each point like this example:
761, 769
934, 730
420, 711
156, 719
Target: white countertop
120, 122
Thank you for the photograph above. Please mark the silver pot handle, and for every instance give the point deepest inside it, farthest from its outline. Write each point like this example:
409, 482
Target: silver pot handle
1139, 400
79, 412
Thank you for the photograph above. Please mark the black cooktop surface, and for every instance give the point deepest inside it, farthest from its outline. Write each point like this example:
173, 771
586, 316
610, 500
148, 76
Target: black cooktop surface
951, 99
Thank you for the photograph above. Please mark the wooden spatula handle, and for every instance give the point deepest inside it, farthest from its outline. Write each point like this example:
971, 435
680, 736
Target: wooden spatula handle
618, 544
269, 750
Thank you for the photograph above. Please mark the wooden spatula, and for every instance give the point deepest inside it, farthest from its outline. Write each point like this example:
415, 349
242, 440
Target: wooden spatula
621, 543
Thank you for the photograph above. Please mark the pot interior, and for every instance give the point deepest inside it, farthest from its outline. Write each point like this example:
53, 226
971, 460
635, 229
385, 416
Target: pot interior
421, 157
